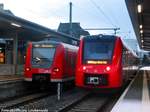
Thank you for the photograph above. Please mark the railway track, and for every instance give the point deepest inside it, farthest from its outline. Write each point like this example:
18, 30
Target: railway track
71, 101
95, 102
52, 104
23, 100
90, 103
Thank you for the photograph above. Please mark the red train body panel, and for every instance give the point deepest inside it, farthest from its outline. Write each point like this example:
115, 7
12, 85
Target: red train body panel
104, 69
50, 61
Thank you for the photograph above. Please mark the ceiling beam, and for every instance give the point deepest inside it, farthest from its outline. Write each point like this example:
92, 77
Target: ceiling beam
146, 30
146, 13
146, 40
146, 43
146, 26
146, 37
146, 34
146, 47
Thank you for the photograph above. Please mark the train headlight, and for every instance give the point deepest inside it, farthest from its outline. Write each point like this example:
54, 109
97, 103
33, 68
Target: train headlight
27, 69
108, 68
56, 70
84, 68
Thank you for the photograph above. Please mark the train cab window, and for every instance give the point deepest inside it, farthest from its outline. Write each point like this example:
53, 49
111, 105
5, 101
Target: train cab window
42, 56
98, 50
72, 61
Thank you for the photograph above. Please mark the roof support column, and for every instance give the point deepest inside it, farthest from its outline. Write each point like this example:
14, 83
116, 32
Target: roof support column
15, 52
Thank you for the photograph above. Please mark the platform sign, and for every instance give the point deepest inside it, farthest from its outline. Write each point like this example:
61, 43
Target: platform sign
2, 53
2, 57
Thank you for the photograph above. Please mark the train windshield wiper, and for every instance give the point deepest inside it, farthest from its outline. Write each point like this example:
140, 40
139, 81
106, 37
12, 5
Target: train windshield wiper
37, 59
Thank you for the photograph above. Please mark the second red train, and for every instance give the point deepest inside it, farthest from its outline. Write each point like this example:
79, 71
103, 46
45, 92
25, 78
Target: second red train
103, 61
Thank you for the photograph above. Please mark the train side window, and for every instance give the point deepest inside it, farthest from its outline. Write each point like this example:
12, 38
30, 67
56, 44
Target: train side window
124, 56
72, 60
67, 57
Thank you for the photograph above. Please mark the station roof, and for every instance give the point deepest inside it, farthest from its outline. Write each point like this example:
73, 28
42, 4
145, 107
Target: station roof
27, 30
139, 11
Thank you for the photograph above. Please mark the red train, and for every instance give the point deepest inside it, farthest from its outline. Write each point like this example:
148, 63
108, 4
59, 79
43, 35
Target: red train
103, 62
50, 62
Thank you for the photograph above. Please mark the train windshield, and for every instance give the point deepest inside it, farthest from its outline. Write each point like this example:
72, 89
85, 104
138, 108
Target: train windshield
96, 50
42, 56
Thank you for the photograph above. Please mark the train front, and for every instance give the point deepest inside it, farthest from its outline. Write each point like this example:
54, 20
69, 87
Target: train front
99, 62
39, 59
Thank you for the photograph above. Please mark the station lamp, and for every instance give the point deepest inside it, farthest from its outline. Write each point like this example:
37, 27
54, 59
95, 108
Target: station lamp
139, 8
141, 26
142, 40
141, 31
16, 25
47, 35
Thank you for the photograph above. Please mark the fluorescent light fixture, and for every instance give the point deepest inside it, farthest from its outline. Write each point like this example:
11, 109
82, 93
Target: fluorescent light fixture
141, 31
47, 35
17, 25
142, 40
139, 8
141, 26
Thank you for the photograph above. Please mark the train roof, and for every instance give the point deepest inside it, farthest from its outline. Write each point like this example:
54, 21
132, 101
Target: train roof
46, 42
108, 37
100, 36
56, 42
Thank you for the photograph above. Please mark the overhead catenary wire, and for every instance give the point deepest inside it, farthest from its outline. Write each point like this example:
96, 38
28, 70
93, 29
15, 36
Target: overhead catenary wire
102, 12
84, 11
113, 16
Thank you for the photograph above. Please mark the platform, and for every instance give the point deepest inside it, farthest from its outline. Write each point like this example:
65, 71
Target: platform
136, 97
10, 78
